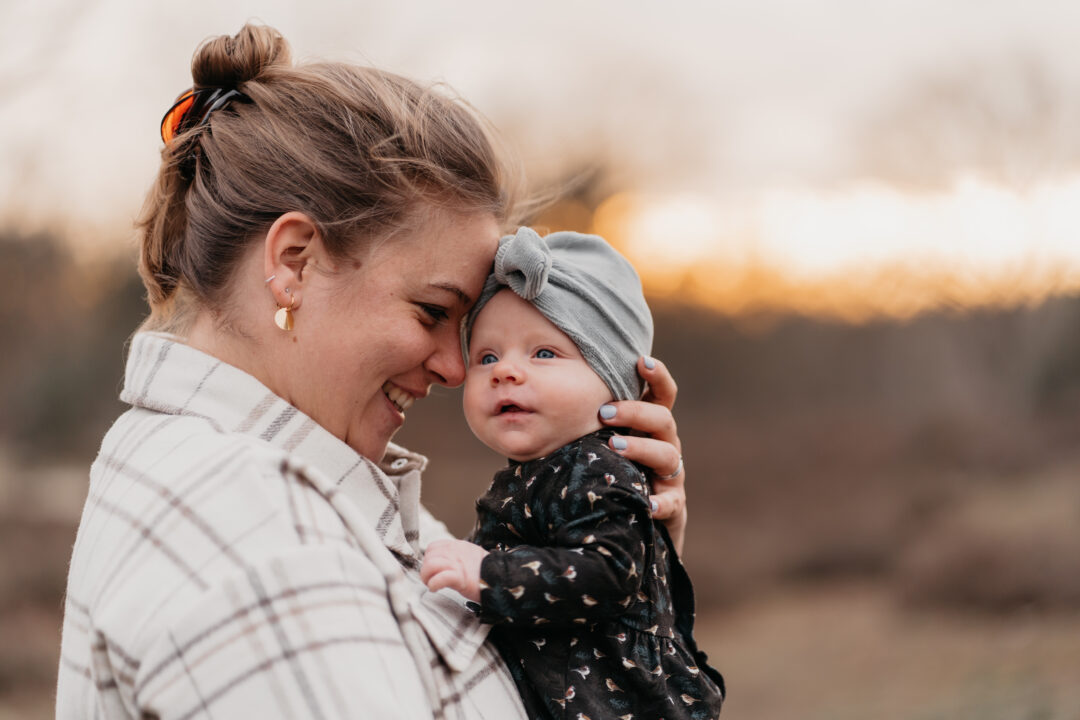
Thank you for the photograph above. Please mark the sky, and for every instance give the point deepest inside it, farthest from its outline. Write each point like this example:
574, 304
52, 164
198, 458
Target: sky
826, 134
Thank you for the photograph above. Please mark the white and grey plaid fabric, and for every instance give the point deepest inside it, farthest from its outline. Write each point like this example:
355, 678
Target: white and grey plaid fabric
235, 559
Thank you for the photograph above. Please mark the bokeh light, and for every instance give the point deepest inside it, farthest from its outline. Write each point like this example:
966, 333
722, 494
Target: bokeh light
859, 252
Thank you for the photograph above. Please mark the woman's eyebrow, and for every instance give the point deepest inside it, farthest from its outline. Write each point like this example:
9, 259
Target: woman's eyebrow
454, 290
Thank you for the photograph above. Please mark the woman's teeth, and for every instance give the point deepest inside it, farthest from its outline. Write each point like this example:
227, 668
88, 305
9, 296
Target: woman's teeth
401, 399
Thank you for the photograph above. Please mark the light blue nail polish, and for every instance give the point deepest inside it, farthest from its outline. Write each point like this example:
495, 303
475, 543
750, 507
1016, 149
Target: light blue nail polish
650, 363
607, 411
618, 443
655, 507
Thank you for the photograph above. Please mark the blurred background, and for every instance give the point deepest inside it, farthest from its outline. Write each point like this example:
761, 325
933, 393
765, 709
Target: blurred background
858, 223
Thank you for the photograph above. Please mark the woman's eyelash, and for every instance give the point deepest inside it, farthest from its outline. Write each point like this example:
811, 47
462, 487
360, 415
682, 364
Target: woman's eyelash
436, 313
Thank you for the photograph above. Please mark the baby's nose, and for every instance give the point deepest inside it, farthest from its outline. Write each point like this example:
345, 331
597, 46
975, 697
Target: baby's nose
506, 371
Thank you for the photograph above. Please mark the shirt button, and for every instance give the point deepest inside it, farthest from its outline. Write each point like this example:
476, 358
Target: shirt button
399, 463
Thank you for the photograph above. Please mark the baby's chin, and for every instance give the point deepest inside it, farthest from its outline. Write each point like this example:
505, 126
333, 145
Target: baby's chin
525, 445
520, 451
525, 451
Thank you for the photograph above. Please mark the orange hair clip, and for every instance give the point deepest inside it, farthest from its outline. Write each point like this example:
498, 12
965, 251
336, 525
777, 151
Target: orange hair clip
170, 124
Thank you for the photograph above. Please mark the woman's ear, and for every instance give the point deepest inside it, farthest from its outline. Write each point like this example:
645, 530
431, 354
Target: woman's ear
292, 248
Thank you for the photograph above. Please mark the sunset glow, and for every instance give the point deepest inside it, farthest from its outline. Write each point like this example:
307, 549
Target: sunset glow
863, 251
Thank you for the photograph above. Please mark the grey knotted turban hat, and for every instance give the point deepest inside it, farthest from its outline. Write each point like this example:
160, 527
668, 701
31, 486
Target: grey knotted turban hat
586, 289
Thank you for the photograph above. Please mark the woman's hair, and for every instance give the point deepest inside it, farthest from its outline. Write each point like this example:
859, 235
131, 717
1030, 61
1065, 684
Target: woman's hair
355, 148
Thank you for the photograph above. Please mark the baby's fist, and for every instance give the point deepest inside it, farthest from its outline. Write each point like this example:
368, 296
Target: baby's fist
454, 564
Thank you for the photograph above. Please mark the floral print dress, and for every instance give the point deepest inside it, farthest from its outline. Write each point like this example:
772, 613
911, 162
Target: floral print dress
592, 606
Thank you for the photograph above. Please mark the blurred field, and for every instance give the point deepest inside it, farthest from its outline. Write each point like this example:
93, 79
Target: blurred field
847, 652
885, 518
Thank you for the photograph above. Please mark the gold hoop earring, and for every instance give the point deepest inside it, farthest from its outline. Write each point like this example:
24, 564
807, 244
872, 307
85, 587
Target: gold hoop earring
283, 317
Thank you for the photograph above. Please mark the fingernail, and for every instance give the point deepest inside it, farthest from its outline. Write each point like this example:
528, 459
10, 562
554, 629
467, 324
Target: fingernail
650, 363
618, 443
655, 507
607, 411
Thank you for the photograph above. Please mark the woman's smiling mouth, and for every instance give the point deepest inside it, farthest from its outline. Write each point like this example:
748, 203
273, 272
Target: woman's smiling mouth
400, 399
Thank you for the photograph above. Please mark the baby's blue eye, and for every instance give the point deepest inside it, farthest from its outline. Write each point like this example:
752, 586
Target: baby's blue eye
488, 358
545, 354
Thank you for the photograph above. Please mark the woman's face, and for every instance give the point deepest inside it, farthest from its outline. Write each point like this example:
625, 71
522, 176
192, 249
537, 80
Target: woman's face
377, 334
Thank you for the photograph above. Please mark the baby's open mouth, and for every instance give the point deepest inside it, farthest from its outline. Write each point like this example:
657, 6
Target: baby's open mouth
401, 399
510, 408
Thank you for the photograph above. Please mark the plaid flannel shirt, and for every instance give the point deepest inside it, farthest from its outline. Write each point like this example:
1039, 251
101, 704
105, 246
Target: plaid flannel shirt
236, 559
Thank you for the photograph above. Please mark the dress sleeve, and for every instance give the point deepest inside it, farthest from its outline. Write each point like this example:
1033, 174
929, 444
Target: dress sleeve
307, 634
593, 562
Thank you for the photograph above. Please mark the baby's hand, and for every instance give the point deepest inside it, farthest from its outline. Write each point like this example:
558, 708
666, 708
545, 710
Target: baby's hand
453, 564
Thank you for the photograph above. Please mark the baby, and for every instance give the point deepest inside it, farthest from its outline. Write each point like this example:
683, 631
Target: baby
592, 608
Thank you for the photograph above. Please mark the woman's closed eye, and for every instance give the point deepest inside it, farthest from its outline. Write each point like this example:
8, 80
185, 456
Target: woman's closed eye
437, 315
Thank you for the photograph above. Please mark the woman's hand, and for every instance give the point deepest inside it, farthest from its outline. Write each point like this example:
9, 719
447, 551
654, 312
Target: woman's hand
661, 450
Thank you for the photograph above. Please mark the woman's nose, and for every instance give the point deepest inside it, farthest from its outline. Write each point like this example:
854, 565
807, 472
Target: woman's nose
446, 363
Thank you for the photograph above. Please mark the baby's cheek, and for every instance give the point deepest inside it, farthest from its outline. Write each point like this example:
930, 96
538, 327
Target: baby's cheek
581, 418
471, 402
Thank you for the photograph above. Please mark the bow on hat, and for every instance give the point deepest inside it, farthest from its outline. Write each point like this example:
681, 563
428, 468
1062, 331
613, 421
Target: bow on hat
523, 263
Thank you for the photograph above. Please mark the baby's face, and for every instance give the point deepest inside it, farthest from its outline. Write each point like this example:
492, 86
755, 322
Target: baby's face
528, 390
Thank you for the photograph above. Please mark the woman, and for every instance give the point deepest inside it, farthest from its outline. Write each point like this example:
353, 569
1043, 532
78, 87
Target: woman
251, 538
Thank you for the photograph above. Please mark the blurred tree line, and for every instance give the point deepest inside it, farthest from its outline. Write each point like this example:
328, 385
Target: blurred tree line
922, 453
64, 327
